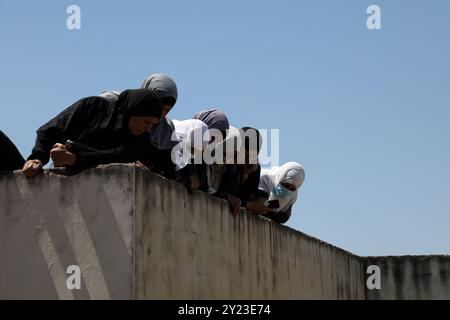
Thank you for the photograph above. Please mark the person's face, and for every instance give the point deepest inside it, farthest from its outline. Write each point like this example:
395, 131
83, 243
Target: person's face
140, 125
288, 186
166, 110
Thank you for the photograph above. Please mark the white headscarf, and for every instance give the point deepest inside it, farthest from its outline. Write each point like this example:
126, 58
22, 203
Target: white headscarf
291, 172
189, 133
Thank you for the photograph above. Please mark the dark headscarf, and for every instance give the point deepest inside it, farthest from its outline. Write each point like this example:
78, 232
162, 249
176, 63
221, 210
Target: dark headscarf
139, 103
214, 119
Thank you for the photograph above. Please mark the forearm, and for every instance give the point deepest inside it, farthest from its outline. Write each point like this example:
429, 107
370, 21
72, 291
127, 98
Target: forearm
41, 149
255, 206
94, 158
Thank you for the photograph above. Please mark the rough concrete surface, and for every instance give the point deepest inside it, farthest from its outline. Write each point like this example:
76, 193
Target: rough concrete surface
412, 277
136, 235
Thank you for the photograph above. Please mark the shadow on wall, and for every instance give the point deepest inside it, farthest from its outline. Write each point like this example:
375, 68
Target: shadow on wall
47, 224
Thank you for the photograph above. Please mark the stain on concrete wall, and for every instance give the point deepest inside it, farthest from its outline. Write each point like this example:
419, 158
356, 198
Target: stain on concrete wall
191, 247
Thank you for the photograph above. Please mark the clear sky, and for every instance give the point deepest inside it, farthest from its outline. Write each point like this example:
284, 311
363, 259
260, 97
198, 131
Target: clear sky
367, 113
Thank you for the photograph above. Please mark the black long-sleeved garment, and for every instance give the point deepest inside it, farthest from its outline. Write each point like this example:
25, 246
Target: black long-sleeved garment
248, 189
99, 124
10, 157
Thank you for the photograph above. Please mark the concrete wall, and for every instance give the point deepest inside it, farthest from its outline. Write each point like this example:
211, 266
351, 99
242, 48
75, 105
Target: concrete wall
136, 235
52, 221
191, 247
412, 277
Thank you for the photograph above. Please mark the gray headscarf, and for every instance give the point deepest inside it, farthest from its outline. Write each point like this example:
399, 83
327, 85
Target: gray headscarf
161, 136
166, 89
163, 86
214, 119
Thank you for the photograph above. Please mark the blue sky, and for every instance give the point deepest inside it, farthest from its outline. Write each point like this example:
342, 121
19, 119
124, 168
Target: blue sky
366, 112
